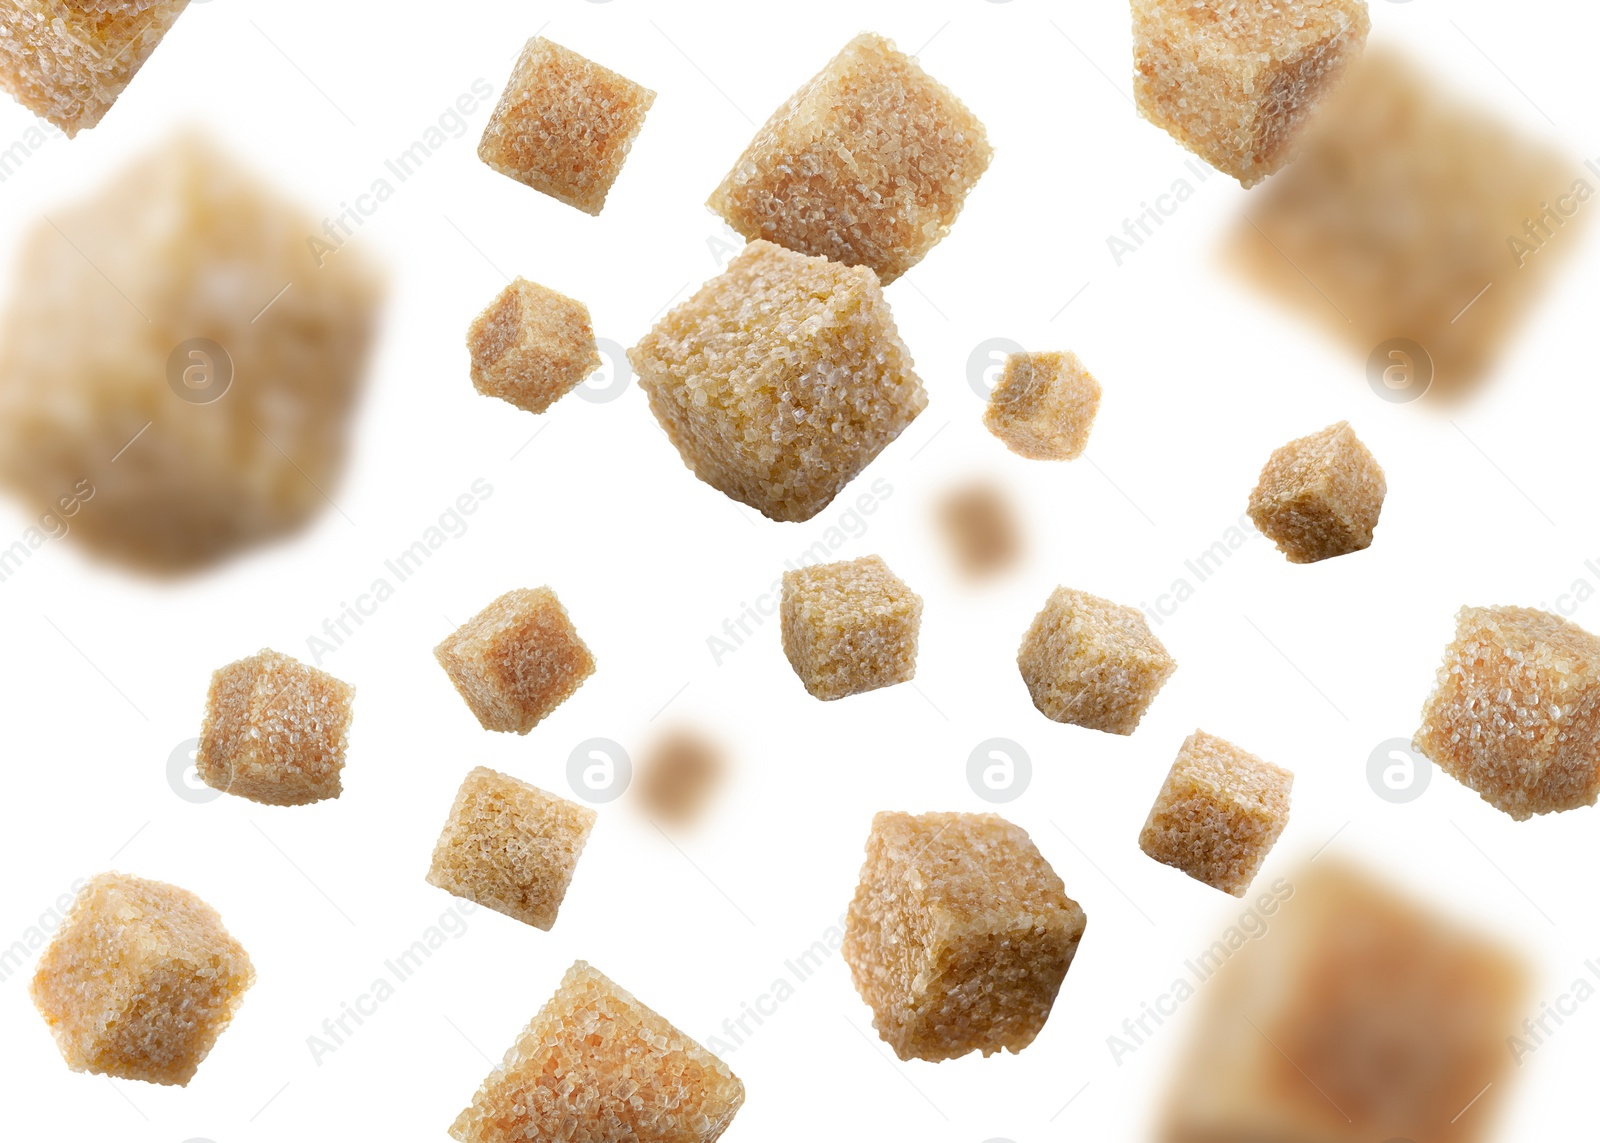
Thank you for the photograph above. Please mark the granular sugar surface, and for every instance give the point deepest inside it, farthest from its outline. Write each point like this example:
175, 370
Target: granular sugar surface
1320, 496
531, 346
1043, 406
849, 627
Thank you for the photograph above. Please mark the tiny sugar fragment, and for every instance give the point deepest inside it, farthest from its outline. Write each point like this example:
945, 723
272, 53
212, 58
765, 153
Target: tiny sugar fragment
981, 529
275, 731
1043, 406
1515, 711
510, 846
780, 380
596, 1066
959, 935
868, 164
516, 660
1218, 814
564, 125
1319, 496
849, 627
1236, 81
1092, 662
532, 346
140, 980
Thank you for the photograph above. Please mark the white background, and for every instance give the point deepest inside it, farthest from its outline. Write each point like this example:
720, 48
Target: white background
1310, 667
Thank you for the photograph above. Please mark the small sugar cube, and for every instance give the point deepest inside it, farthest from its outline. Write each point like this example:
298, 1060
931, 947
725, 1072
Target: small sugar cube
510, 846
1043, 406
1218, 814
780, 380
959, 935
1515, 711
564, 125
516, 660
981, 529
678, 774
1235, 81
1319, 496
140, 980
1092, 662
595, 1065
531, 346
849, 627
275, 731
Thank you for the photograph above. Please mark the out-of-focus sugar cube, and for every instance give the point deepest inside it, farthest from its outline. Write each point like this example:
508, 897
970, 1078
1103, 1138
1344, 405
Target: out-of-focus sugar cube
532, 346
1043, 406
981, 529
1319, 496
1092, 662
849, 627
678, 774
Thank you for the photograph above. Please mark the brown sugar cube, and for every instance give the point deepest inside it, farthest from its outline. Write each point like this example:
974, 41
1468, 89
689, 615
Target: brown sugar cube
981, 529
531, 346
1319, 496
1043, 406
1515, 711
1218, 814
959, 935
780, 380
678, 774
868, 164
510, 846
1092, 662
1347, 1014
140, 980
1235, 81
564, 125
849, 627
596, 1065
516, 660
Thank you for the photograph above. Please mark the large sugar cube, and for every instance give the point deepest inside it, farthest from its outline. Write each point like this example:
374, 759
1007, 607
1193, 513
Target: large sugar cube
510, 846
1319, 496
959, 935
868, 164
1515, 711
595, 1066
275, 731
1218, 814
516, 660
1092, 662
532, 346
780, 380
1043, 406
849, 627
564, 125
1235, 81
140, 980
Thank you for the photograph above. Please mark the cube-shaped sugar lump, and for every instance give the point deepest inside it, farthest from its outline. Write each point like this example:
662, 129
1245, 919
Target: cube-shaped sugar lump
596, 1066
516, 660
1319, 496
564, 125
1218, 814
67, 62
275, 731
780, 380
510, 846
1043, 405
868, 164
1092, 662
531, 346
959, 935
1515, 711
849, 627
140, 980
1236, 81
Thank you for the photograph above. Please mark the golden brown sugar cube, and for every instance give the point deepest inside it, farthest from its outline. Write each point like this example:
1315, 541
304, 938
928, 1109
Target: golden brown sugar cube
1219, 813
678, 774
1515, 711
510, 846
532, 346
981, 529
780, 380
959, 935
868, 164
1043, 406
1092, 662
1319, 496
275, 731
595, 1065
1236, 81
849, 627
1335, 973
140, 980
564, 125
516, 660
